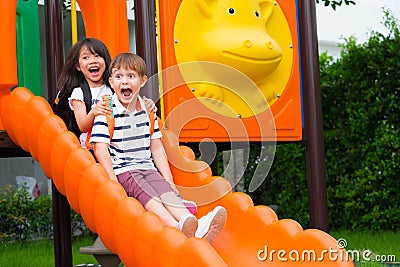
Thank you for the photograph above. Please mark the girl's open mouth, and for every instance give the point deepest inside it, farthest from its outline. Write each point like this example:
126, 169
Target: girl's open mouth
94, 70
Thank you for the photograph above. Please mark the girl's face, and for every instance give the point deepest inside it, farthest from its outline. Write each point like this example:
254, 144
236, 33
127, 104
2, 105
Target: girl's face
126, 84
92, 66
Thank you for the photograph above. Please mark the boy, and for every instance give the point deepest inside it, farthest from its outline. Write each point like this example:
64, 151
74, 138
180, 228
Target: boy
137, 160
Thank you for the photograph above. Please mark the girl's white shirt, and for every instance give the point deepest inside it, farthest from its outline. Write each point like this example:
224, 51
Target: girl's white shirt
97, 94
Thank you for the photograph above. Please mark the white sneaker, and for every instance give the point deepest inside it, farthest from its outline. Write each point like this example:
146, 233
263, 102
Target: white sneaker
188, 225
211, 224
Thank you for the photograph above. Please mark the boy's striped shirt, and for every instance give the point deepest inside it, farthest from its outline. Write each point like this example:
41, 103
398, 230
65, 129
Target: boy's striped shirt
130, 143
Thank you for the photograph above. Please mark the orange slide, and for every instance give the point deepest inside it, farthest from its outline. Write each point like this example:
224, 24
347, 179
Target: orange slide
253, 236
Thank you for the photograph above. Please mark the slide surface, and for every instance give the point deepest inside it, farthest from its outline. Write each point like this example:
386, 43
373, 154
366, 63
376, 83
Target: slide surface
253, 235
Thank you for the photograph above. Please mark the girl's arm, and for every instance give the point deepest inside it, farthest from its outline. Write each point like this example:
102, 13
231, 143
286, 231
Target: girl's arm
103, 157
160, 160
85, 120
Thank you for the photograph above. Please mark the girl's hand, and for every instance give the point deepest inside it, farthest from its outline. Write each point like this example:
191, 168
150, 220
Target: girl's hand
101, 109
150, 105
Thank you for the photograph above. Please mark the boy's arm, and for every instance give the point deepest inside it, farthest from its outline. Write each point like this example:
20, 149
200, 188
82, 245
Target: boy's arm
103, 157
160, 159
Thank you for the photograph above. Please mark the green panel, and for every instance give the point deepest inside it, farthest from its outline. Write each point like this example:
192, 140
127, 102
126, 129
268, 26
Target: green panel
28, 46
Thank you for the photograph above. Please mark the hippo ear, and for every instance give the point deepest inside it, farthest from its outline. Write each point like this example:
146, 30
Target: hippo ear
267, 6
205, 7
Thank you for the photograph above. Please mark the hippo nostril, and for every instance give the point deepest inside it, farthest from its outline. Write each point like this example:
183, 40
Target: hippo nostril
247, 43
270, 45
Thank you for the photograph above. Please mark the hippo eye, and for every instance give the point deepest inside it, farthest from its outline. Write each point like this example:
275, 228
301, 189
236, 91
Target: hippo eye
257, 14
231, 11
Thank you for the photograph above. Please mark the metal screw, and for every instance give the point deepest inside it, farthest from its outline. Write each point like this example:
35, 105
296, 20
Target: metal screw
239, 116
193, 89
176, 41
278, 95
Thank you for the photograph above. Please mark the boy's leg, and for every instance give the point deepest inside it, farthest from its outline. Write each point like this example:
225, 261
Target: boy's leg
145, 190
155, 205
187, 223
174, 205
135, 186
190, 205
166, 193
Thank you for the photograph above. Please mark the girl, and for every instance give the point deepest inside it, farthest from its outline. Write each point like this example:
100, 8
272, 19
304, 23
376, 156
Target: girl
85, 73
86, 68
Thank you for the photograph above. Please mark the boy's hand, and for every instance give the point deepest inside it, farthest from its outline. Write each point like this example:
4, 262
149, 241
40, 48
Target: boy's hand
150, 105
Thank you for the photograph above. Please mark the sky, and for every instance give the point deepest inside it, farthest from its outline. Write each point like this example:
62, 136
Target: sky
353, 20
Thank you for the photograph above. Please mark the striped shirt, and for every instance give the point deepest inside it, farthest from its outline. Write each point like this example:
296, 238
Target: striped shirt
130, 143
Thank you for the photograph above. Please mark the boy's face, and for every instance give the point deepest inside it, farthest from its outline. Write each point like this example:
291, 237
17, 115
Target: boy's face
126, 84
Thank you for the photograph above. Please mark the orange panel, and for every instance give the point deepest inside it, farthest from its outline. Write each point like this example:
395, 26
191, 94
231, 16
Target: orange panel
1, 125
181, 45
107, 21
8, 58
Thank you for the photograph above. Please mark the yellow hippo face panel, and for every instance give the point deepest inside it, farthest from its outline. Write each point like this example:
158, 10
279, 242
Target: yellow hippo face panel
250, 36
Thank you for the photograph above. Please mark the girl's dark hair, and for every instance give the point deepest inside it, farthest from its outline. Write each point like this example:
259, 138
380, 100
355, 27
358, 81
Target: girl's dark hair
71, 77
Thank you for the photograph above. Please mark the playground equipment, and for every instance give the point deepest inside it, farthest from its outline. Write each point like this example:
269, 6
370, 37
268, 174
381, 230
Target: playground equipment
253, 235
256, 37
139, 237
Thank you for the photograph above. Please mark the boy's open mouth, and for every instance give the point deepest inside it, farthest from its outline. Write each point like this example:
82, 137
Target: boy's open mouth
126, 92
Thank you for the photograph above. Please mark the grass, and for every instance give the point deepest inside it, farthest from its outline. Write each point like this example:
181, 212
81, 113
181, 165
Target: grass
41, 253
376, 246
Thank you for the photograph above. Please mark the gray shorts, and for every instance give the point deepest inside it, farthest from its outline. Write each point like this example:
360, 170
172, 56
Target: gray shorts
144, 184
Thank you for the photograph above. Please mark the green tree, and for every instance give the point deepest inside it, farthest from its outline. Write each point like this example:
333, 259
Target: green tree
360, 103
334, 4
360, 94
